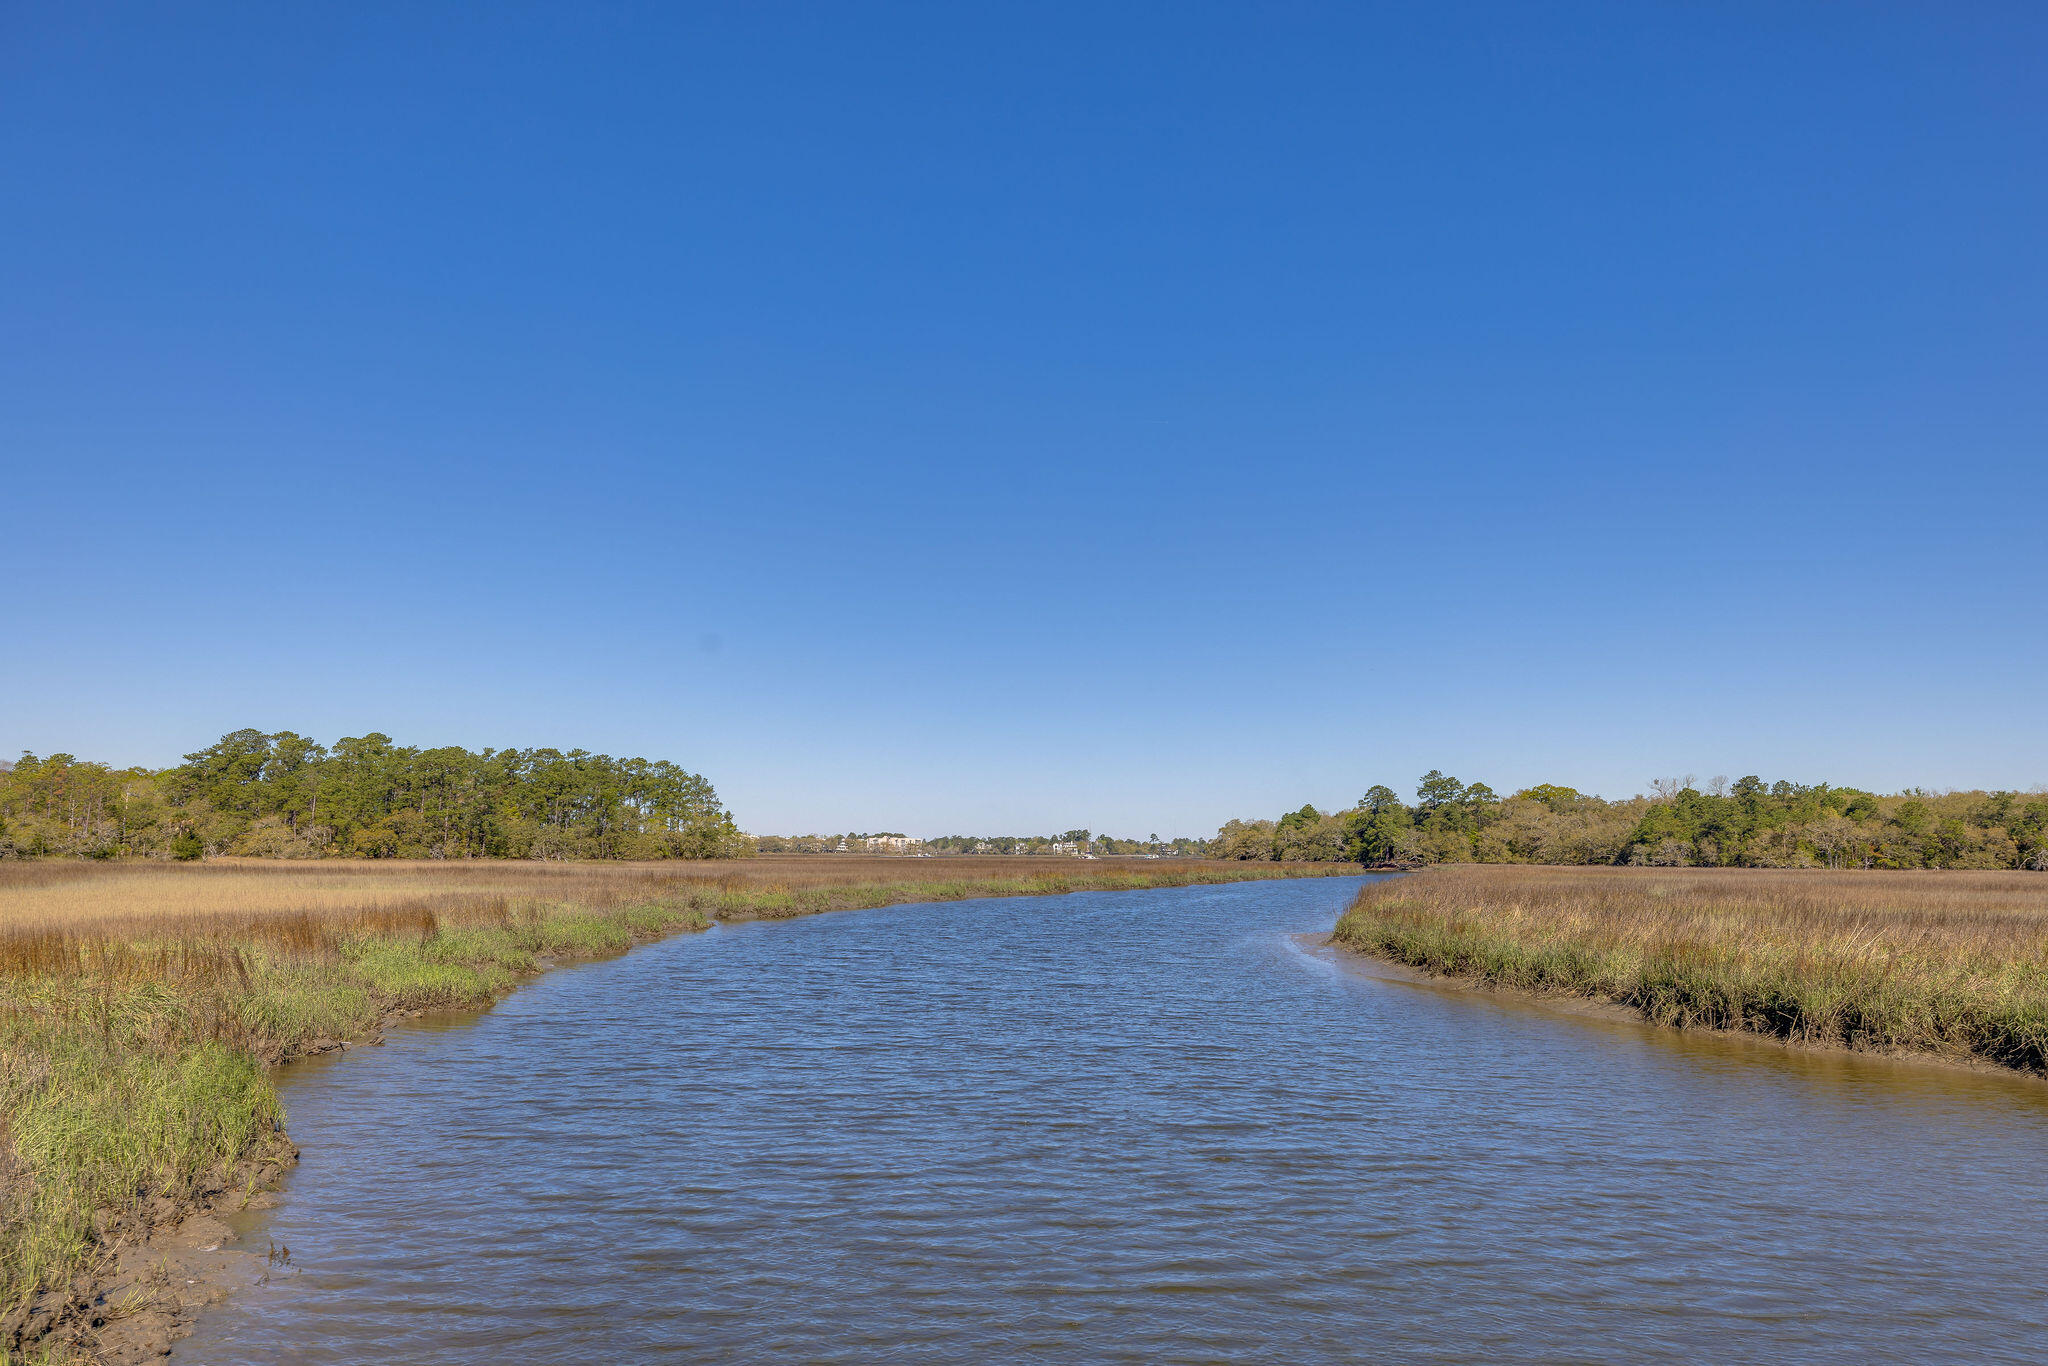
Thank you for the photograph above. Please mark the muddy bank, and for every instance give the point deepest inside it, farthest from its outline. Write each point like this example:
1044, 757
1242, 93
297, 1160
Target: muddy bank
166, 1260
163, 1263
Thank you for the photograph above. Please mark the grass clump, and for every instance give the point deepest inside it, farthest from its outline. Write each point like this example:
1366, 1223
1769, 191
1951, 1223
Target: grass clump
1953, 964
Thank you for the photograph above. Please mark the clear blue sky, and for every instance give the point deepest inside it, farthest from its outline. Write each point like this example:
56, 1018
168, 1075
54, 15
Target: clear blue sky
968, 418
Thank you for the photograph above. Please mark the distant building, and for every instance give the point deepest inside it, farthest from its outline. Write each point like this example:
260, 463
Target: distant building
893, 844
1066, 847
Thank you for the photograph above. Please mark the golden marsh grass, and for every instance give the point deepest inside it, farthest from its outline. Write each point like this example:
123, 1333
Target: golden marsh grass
1949, 963
95, 898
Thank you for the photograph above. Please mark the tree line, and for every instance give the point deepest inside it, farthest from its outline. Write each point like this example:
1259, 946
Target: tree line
1747, 823
283, 795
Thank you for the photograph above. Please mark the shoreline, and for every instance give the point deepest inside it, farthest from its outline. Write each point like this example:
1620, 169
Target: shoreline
1943, 965
1326, 946
160, 1267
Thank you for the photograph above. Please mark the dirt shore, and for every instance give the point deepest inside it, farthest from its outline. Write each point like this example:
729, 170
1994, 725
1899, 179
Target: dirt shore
166, 1261
163, 1264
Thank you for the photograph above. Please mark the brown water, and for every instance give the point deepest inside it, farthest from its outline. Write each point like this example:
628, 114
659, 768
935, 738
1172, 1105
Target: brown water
1126, 1127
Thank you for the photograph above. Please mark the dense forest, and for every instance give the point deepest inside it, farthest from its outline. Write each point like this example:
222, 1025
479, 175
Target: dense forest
285, 796
1747, 823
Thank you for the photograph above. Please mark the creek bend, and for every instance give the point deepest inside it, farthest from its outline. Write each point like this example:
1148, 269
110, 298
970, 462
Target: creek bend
1142, 1126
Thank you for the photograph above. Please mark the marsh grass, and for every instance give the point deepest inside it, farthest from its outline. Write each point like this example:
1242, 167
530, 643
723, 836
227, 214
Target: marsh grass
141, 1006
1947, 963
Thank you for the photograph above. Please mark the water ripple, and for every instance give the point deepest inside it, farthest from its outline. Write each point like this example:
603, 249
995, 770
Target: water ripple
1125, 1127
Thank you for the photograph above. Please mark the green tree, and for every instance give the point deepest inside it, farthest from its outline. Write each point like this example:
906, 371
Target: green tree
1436, 791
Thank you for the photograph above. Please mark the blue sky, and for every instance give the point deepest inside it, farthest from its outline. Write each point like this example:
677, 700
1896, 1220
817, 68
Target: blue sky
961, 418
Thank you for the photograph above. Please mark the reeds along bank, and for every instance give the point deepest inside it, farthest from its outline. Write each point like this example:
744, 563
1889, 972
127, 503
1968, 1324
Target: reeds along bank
1949, 963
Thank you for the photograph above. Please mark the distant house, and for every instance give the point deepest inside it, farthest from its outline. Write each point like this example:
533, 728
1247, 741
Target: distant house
1066, 847
893, 844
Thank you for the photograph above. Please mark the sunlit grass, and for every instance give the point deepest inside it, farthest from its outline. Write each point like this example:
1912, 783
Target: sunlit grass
1947, 963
